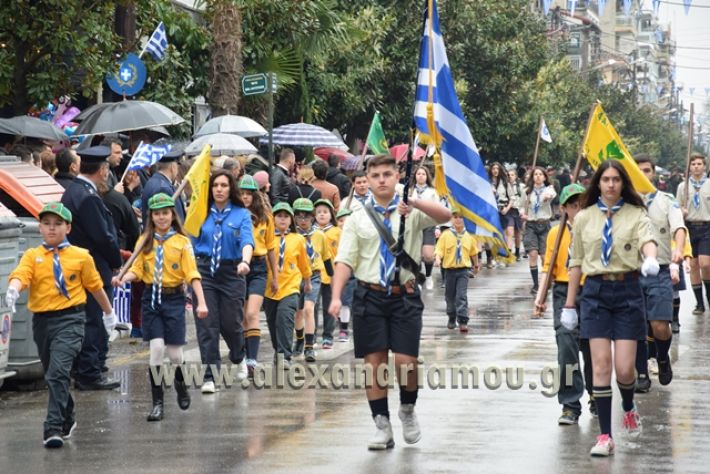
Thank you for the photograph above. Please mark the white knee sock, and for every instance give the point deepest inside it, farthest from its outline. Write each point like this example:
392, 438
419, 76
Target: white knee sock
157, 351
175, 354
344, 314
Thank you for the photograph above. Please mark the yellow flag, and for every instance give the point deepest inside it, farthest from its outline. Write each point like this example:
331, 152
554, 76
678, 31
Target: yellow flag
199, 178
602, 143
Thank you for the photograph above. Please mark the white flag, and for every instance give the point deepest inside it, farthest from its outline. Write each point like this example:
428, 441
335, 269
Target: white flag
544, 132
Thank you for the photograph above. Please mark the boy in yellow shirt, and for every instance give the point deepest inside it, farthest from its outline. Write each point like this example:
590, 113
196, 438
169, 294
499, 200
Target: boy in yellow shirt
58, 275
456, 252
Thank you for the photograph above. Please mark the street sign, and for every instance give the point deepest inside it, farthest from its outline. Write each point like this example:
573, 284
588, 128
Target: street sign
254, 84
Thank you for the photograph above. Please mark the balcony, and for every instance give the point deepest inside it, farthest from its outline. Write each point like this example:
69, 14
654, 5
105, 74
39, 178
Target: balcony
625, 24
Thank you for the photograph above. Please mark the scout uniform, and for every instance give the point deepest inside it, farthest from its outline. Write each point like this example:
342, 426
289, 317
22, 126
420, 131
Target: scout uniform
332, 238
698, 221
455, 251
58, 279
164, 270
94, 230
280, 307
539, 213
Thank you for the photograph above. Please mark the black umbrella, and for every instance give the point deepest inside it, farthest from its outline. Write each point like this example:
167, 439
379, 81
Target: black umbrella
32, 127
124, 116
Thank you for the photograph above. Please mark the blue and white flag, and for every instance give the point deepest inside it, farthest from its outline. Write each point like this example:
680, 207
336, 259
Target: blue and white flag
544, 132
602, 6
158, 43
147, 155
687, 3
122, 306
546, 6
440, 121
656, 5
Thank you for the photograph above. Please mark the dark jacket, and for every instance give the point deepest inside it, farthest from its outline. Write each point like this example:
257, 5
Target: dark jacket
64, 179
280, 185
159, 183
124, 219
303, 191
337, 178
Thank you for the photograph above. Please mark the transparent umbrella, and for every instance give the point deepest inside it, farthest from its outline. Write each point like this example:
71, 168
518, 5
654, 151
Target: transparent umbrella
233, 124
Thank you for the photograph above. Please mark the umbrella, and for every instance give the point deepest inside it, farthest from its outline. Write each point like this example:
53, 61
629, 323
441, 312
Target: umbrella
304, 134
348, 161
399, 152
124, 116
235, 124
222, 144
32, 127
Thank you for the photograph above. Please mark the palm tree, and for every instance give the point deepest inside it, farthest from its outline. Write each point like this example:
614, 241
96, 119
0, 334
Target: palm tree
226, 66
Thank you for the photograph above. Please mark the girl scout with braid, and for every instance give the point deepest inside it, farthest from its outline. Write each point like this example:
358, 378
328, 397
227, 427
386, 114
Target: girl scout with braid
610, 236
263, 261
319, 255
165, 264
56, 274
325, 221
294, 268
537, 214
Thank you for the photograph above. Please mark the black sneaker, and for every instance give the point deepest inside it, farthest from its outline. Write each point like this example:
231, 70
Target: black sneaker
533, 290
68, 429
643, 384
699, 309
675, 327
53, 440
310, 355
451, 324
298, 347
665, 372
593, 409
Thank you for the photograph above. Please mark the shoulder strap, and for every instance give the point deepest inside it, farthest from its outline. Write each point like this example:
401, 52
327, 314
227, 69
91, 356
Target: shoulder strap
312, 192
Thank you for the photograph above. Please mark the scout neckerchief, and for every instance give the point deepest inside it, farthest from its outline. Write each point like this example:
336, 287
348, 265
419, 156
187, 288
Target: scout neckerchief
219, 217
364, 198
650, 198
326, 227
458, 256
538, 193
387, 260
309, 244
57, 267
697, 185
282, 247
420, 190
156, 297
607, 240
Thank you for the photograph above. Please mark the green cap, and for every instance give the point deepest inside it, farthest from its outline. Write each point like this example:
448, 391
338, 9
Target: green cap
282, 206
58, 209
249, 183
455, 210
343, 213
160, 201
569, 191
303, 205
323, 202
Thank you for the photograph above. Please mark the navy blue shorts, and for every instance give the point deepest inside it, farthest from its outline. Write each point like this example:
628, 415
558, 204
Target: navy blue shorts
612, 309
256, 278
699, 238
167, 321
315, 291
658, 294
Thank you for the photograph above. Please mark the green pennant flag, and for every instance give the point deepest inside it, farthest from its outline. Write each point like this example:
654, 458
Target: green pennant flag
376, 137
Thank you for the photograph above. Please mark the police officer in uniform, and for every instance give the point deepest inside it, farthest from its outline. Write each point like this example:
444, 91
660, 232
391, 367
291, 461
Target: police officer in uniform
93, 229
162, 182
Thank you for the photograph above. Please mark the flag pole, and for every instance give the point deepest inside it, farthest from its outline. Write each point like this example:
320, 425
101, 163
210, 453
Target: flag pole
547, 279
690, 152
537, 143
359, 165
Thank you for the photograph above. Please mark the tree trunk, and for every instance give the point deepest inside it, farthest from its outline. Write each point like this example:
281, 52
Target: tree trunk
226, 67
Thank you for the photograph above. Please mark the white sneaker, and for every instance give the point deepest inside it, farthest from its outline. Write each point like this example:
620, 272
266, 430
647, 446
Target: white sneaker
429, 284
383, 436
208, 387
653, 366
243, 372
410, 426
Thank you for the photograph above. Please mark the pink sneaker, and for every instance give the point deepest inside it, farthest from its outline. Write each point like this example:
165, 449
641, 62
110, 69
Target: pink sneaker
632, 422
604, 446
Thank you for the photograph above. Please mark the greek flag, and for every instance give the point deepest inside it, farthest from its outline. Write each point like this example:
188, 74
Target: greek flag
459, 171
544, 132
122, 306
147, 155
158, 43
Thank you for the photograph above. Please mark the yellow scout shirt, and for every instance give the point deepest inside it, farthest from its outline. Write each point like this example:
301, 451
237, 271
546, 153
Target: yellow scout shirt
332, 237
179, 264
702, 213
559, 270
446, 249
631, 230
264, 237
359, 246
296, 267
36, 271
666, 219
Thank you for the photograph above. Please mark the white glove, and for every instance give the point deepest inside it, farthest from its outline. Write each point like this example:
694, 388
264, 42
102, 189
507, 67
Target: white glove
650, 267
109, 322
11, 298
569, 318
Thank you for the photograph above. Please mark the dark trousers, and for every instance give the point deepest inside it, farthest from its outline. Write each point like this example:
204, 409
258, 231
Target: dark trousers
568, 346
224, 295
58, 340
324, 303
137, 288
280, 317
94, 349
456, 298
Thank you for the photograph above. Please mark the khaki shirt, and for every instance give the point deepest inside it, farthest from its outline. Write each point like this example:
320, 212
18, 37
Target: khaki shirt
545, 211
666, 219
703, 212
354, 205
359, 246
631, 230
517, 194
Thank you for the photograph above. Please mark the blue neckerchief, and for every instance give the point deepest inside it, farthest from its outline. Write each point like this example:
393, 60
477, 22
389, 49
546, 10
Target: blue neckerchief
387, 260
696, 186
458, 255
282, 247
536, 204
607, 239
309, 244
651, 197
59, 281
219, 217
156, 296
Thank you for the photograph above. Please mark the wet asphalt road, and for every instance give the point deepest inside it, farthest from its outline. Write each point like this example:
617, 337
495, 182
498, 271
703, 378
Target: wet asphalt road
326, 429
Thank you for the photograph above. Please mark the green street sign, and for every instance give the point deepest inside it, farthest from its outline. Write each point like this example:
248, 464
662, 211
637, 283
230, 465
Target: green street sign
254, 84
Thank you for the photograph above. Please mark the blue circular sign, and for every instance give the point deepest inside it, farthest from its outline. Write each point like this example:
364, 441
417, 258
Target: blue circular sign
130, 77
